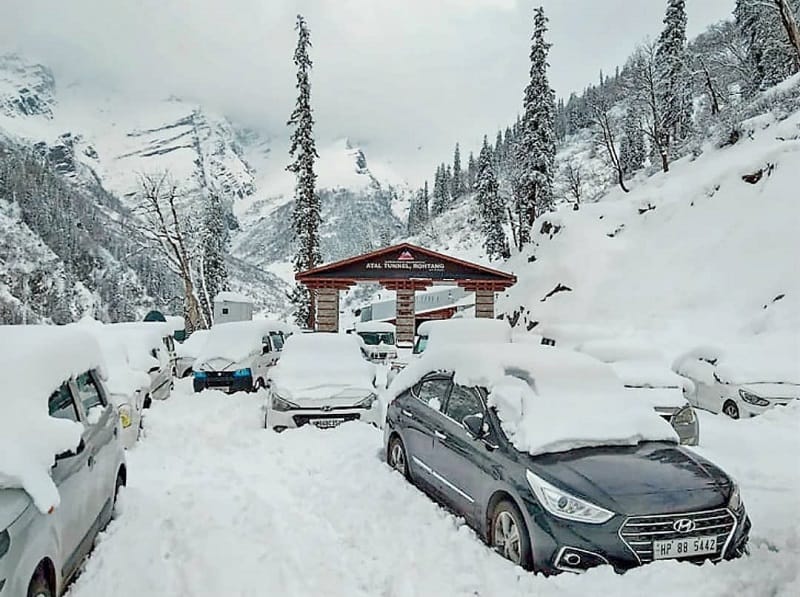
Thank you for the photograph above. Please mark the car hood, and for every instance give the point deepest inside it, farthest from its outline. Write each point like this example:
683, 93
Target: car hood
218, 364
13, 503
658, 397
651, 478
773, 390
328, 395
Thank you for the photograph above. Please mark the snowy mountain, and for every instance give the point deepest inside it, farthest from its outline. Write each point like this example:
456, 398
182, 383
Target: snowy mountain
99, 138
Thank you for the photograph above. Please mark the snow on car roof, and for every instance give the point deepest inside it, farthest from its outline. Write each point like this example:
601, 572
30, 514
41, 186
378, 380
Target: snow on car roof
610, 350
374, 326
176, 322
649, 373
238, 339
547, 399
192, 346
321, 359
232, 297
469, 330
34, 361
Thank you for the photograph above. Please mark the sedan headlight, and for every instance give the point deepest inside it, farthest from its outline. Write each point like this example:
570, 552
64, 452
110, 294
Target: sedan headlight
685, 416
125, 417
5, 543
735, 501
560, 503
367, 402
281, 404
751, 398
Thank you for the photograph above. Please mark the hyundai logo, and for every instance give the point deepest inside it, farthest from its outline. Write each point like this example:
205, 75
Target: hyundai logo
326, 408
684, 525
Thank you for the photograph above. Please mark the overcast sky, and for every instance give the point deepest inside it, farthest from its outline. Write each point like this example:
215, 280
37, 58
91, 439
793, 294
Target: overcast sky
406, 79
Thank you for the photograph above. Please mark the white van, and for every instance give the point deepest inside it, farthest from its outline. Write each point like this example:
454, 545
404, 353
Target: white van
460, 331
378, 340
237, 356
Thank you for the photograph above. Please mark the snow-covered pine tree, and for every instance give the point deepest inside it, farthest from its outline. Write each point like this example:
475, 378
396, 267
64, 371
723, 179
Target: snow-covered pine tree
418, 210
632, 151
439, 199
448, 185
215, 240
458, 174
499, 152
535, 146
472, 171
490, 206
306, 217
771, 53
673, 86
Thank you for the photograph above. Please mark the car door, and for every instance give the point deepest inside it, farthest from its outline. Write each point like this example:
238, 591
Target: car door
419, 410
100, 433
160, 376
463, 462
73, 478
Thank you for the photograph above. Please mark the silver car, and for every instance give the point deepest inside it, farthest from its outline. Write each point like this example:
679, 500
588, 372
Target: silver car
40, 553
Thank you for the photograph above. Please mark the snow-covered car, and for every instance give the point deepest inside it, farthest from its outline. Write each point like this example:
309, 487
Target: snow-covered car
554, 464
741, 381
379, 340
61, 460
188, 351
147, 351
457, 331
645, 373
321, 380
128, 387
238, 356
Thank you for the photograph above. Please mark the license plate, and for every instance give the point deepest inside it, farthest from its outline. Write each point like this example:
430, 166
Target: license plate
682, 548
327, 423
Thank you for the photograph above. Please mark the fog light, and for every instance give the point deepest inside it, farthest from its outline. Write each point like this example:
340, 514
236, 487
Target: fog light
572, 559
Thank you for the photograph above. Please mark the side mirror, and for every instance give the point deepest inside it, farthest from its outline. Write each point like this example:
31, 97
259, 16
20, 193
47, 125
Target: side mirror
264, 349
70, 453
474, 425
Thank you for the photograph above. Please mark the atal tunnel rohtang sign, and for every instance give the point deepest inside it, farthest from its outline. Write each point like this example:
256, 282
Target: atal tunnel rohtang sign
406, 264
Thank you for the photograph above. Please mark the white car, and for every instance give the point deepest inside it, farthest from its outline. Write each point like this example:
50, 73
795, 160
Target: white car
740, 381
187, 352
148, 351
238, 356
379, 340
645, 373
321, 380
463, 330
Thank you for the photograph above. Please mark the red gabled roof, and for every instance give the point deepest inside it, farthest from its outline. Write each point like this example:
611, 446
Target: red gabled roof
399, 249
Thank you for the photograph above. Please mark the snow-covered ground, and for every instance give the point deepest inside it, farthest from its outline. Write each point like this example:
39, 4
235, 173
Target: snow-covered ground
217, 506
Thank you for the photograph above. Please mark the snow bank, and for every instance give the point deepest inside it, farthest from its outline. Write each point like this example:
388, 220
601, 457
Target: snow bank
374, 326
318, 361
547, 399
238, 340
34, 361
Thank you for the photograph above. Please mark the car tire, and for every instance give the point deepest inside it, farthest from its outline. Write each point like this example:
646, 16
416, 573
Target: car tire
118, 484
731, 409
509, 536
39, 585
397, 457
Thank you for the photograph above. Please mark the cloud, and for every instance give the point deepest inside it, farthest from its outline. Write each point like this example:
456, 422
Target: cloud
405, 78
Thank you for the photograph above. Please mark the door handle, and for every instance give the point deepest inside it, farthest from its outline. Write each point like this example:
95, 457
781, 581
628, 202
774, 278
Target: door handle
439, 435
405, 413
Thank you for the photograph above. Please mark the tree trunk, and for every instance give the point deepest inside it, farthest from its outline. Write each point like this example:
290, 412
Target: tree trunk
191, 306
789, 23
711, 91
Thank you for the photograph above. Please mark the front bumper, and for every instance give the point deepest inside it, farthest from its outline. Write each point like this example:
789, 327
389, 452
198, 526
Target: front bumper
322, 418
626, 542
224, 381
753, 410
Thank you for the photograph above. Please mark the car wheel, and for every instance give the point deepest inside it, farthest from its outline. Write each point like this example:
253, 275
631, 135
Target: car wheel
508, 534
119, 484
39, 585
396, 456
731, 409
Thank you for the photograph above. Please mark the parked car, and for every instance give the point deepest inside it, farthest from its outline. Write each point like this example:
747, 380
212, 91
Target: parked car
554, 464
128, 387
321, 380
379, 340
645, 373
148, 352
188, 351
50, 514
741, 381
456, 331
238, 356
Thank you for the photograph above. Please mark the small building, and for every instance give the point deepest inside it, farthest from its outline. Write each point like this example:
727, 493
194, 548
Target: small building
232, 306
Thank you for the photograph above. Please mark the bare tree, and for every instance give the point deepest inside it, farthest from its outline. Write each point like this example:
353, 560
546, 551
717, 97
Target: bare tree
160, 223
790, 24
642, 83
600, 108
574, 179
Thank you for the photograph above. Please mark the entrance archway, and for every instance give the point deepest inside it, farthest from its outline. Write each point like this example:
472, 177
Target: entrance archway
404, 268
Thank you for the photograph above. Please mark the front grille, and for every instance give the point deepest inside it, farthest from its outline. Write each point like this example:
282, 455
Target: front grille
301, 420
639, 532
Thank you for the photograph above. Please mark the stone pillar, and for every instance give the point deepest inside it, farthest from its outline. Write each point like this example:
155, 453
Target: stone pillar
327, 310
406, 324
484, 304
